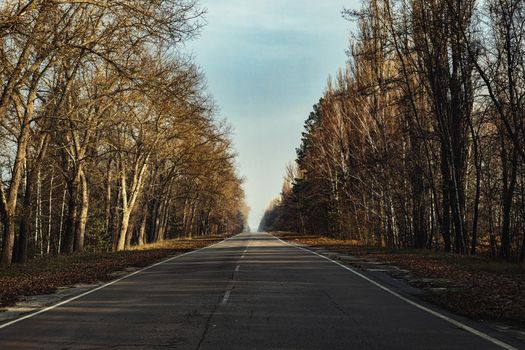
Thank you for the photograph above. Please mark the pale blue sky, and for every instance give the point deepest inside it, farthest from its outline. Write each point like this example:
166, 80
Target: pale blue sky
266, 62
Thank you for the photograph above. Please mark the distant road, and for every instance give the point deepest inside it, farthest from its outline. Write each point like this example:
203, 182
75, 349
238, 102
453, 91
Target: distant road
249, 292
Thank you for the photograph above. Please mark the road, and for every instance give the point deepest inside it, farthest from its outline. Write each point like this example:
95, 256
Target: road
251, 291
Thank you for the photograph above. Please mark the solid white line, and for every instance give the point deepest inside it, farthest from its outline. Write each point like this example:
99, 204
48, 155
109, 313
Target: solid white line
413, 303
226, 296
49, 308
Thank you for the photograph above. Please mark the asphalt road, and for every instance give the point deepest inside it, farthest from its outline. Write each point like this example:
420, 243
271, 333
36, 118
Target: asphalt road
249, 292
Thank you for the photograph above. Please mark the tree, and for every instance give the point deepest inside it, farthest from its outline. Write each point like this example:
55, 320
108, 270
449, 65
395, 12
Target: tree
103, 94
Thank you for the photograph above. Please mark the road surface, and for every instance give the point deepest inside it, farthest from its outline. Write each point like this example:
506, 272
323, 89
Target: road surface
251, 291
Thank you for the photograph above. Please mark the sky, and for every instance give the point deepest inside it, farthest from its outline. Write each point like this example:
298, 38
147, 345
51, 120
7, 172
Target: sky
266, 64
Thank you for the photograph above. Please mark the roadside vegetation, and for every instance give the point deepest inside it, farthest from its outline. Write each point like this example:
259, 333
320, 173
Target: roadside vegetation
108, 136
420, 141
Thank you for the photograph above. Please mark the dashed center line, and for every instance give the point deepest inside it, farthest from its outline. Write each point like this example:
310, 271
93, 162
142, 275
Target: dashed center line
232, 282
226, 297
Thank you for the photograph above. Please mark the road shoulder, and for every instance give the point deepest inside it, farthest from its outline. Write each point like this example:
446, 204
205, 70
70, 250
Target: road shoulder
44, 283
403, 280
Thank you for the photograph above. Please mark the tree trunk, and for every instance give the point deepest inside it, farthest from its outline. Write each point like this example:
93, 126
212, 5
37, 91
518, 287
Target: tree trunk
477, 164
116, 218
61, 224
107, 203
164, 220
124, 223
10, 203
153, 220
80, 226
509, 185
418, 210
25, 220
50, 211
142, 229
72, 214
130, 232
445, 222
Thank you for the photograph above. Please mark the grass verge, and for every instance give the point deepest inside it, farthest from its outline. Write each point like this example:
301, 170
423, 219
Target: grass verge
472, 286
44, 275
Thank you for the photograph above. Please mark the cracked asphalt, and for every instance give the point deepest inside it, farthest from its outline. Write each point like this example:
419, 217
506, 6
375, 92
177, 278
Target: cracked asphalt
251, 291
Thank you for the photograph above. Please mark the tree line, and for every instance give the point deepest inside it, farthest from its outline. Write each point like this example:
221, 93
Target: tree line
108, 135
419, 142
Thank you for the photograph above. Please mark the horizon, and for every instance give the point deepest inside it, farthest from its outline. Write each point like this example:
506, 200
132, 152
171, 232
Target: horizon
267, 64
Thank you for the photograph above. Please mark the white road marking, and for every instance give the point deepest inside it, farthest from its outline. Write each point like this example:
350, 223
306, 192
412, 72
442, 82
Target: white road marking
49, 308
230, 287
226, 296
413, 303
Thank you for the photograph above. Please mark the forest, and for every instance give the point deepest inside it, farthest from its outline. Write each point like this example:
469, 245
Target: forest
108, 135
419, 141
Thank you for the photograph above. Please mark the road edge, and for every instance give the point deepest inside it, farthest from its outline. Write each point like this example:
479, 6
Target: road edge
434, 313
105, 285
